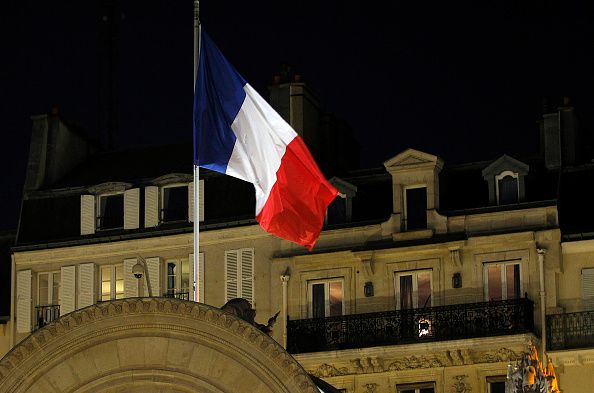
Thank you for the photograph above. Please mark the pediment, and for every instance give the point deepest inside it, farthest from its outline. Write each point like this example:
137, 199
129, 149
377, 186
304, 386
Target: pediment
505, 163
411, 158
108, 187
172, 178
343, 186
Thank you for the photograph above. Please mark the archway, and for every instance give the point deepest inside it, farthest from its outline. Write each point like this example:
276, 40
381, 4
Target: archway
151, 345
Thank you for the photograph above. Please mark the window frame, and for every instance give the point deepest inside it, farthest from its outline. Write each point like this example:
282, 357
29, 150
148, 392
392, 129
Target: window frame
50, 287
162, 202
415, 386
499, 177
503, 278
98, 211
405, 202
495, 379
326, 282
113, 293
414, 273
179, 267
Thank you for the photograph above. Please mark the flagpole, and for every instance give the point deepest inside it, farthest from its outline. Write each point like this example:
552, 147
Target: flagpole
196, 179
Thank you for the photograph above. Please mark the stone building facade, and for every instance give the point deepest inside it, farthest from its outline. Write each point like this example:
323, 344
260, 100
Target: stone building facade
428, 277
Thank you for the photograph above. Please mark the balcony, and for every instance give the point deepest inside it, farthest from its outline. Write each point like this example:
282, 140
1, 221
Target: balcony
178, 295
570, 331
46, 314
453, 322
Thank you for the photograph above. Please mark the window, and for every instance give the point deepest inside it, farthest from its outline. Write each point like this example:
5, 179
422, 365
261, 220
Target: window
326, 298
337, 211
588, 283
239, 274
413, 289
502, 281
496, 384
174, 203
48, 288
178, 279
110, 212
415, 214
416, 388
112, 282
507, 188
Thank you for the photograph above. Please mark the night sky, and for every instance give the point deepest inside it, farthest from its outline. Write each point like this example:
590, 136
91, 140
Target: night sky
463, 82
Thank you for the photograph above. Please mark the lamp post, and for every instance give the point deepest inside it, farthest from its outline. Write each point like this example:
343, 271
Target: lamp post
139, 269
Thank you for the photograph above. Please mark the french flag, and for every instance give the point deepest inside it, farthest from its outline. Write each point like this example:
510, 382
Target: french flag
237, 132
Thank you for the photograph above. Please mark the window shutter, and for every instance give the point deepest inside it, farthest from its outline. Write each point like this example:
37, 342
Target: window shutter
201, 278
231, 274
153, 266
588, 283
191, 279
132, 208
130, 282
68, 289
201, 200
87, 214
86, 285
23, 300
151, 206
191, 202
247, 274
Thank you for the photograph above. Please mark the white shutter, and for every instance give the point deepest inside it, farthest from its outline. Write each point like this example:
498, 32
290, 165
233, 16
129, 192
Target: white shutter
23, 301
192, 286
247, 274
201, 200
201, 278
153, 266
130, 282
87, 214
132, 208
588, 283
231, 273
191, 201
151, 206
86, 284
68, 289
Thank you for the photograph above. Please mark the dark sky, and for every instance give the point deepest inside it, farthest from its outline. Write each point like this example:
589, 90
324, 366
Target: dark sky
463, 82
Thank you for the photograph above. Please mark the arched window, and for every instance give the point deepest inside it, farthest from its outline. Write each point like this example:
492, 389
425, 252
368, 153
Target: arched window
507, 188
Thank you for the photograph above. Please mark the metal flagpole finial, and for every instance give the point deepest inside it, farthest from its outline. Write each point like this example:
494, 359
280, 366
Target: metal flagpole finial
196, 12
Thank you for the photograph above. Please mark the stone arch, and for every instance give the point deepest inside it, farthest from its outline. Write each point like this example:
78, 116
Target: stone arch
150, 345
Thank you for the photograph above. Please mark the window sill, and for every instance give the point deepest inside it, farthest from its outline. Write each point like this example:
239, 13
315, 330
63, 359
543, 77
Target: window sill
413, 235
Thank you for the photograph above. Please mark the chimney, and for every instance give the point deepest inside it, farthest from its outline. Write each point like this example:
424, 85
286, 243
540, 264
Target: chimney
561, 138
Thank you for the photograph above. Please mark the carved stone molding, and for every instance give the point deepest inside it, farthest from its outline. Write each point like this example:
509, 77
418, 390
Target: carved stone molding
461, 386
326, 370
370, 387
55, 349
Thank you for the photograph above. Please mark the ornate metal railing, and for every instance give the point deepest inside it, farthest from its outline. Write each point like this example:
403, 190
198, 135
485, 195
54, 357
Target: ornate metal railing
46, 314
178, 295
570, 330
411, 326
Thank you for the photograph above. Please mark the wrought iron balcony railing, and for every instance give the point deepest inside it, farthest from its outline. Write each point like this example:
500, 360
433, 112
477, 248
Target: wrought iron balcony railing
570, 330
460, 321
178, 295
46, 314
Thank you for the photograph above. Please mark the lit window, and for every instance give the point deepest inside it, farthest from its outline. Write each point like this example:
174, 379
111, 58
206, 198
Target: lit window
48, 285
326, 298
112, 282
413, 289
110, 211
416, 388
502, 281
178, 279
507, 188
415, 202
174, 202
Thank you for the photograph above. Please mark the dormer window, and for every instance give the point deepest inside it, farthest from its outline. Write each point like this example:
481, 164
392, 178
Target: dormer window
505, 178
507, 188
415, 212
340, 211
110, 211
174, 203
